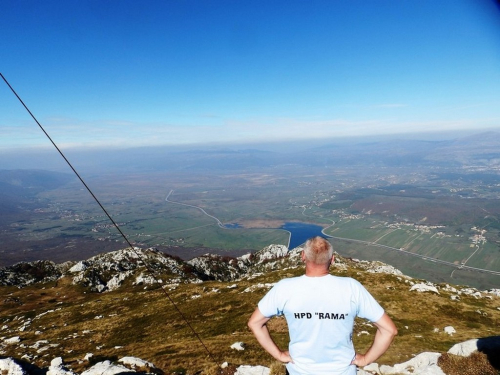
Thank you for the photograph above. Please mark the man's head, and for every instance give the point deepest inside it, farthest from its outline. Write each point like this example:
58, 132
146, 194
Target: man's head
318, 251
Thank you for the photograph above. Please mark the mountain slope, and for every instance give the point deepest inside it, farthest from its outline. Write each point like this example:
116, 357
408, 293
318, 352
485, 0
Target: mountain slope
133, 315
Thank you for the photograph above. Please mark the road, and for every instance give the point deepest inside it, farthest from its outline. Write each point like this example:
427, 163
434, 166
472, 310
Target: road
219, 223
458, 266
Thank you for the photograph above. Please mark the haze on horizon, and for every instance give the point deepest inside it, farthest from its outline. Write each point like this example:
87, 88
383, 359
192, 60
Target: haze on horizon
131, 74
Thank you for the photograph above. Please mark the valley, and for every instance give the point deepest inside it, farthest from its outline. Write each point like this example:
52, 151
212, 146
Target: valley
432, 217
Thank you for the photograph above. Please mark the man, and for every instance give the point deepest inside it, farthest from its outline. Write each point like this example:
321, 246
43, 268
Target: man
320, 309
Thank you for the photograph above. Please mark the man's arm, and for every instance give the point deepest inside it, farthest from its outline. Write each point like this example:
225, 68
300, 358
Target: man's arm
386, 330
257, 325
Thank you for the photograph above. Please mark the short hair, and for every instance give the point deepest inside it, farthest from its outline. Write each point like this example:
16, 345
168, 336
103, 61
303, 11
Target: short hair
318, 250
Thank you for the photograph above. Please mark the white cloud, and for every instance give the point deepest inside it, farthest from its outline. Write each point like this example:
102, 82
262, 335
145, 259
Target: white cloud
70, 133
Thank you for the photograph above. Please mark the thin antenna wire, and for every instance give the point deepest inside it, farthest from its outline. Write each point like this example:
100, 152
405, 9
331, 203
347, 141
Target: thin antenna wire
67, 161
150, 270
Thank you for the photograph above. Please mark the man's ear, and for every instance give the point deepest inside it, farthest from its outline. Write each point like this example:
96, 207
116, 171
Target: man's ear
333, 259
303, 256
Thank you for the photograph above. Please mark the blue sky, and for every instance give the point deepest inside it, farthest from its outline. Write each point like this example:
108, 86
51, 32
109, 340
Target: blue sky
135, 73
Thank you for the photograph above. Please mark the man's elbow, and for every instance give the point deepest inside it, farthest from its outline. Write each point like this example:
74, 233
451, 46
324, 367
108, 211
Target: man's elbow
387, 326
394, 331
252, 325
391, 329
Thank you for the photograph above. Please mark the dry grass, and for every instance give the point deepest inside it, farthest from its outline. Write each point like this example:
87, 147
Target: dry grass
476, 364
277, 368
218, 370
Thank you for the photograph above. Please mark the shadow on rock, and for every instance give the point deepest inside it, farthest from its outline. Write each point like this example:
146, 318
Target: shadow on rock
491, 347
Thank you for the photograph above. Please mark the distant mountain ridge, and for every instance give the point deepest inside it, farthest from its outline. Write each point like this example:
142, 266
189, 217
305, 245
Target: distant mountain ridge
29, 182
18, 188
482, 148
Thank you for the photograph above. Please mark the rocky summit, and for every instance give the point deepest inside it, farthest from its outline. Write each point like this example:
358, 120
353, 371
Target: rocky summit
107, 272
102, 319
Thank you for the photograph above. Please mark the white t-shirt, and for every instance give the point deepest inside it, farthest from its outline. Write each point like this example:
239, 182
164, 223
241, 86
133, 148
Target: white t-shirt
320, 313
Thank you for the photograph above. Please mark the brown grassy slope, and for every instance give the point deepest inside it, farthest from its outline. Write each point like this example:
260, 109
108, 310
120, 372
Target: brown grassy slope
134, 321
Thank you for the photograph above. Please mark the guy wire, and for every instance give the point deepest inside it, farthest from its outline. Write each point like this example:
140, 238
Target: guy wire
150, 270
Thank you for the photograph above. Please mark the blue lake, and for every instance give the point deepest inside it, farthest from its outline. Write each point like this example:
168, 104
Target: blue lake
301, 232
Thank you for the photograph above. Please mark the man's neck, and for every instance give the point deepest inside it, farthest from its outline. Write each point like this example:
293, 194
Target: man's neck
316, 271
